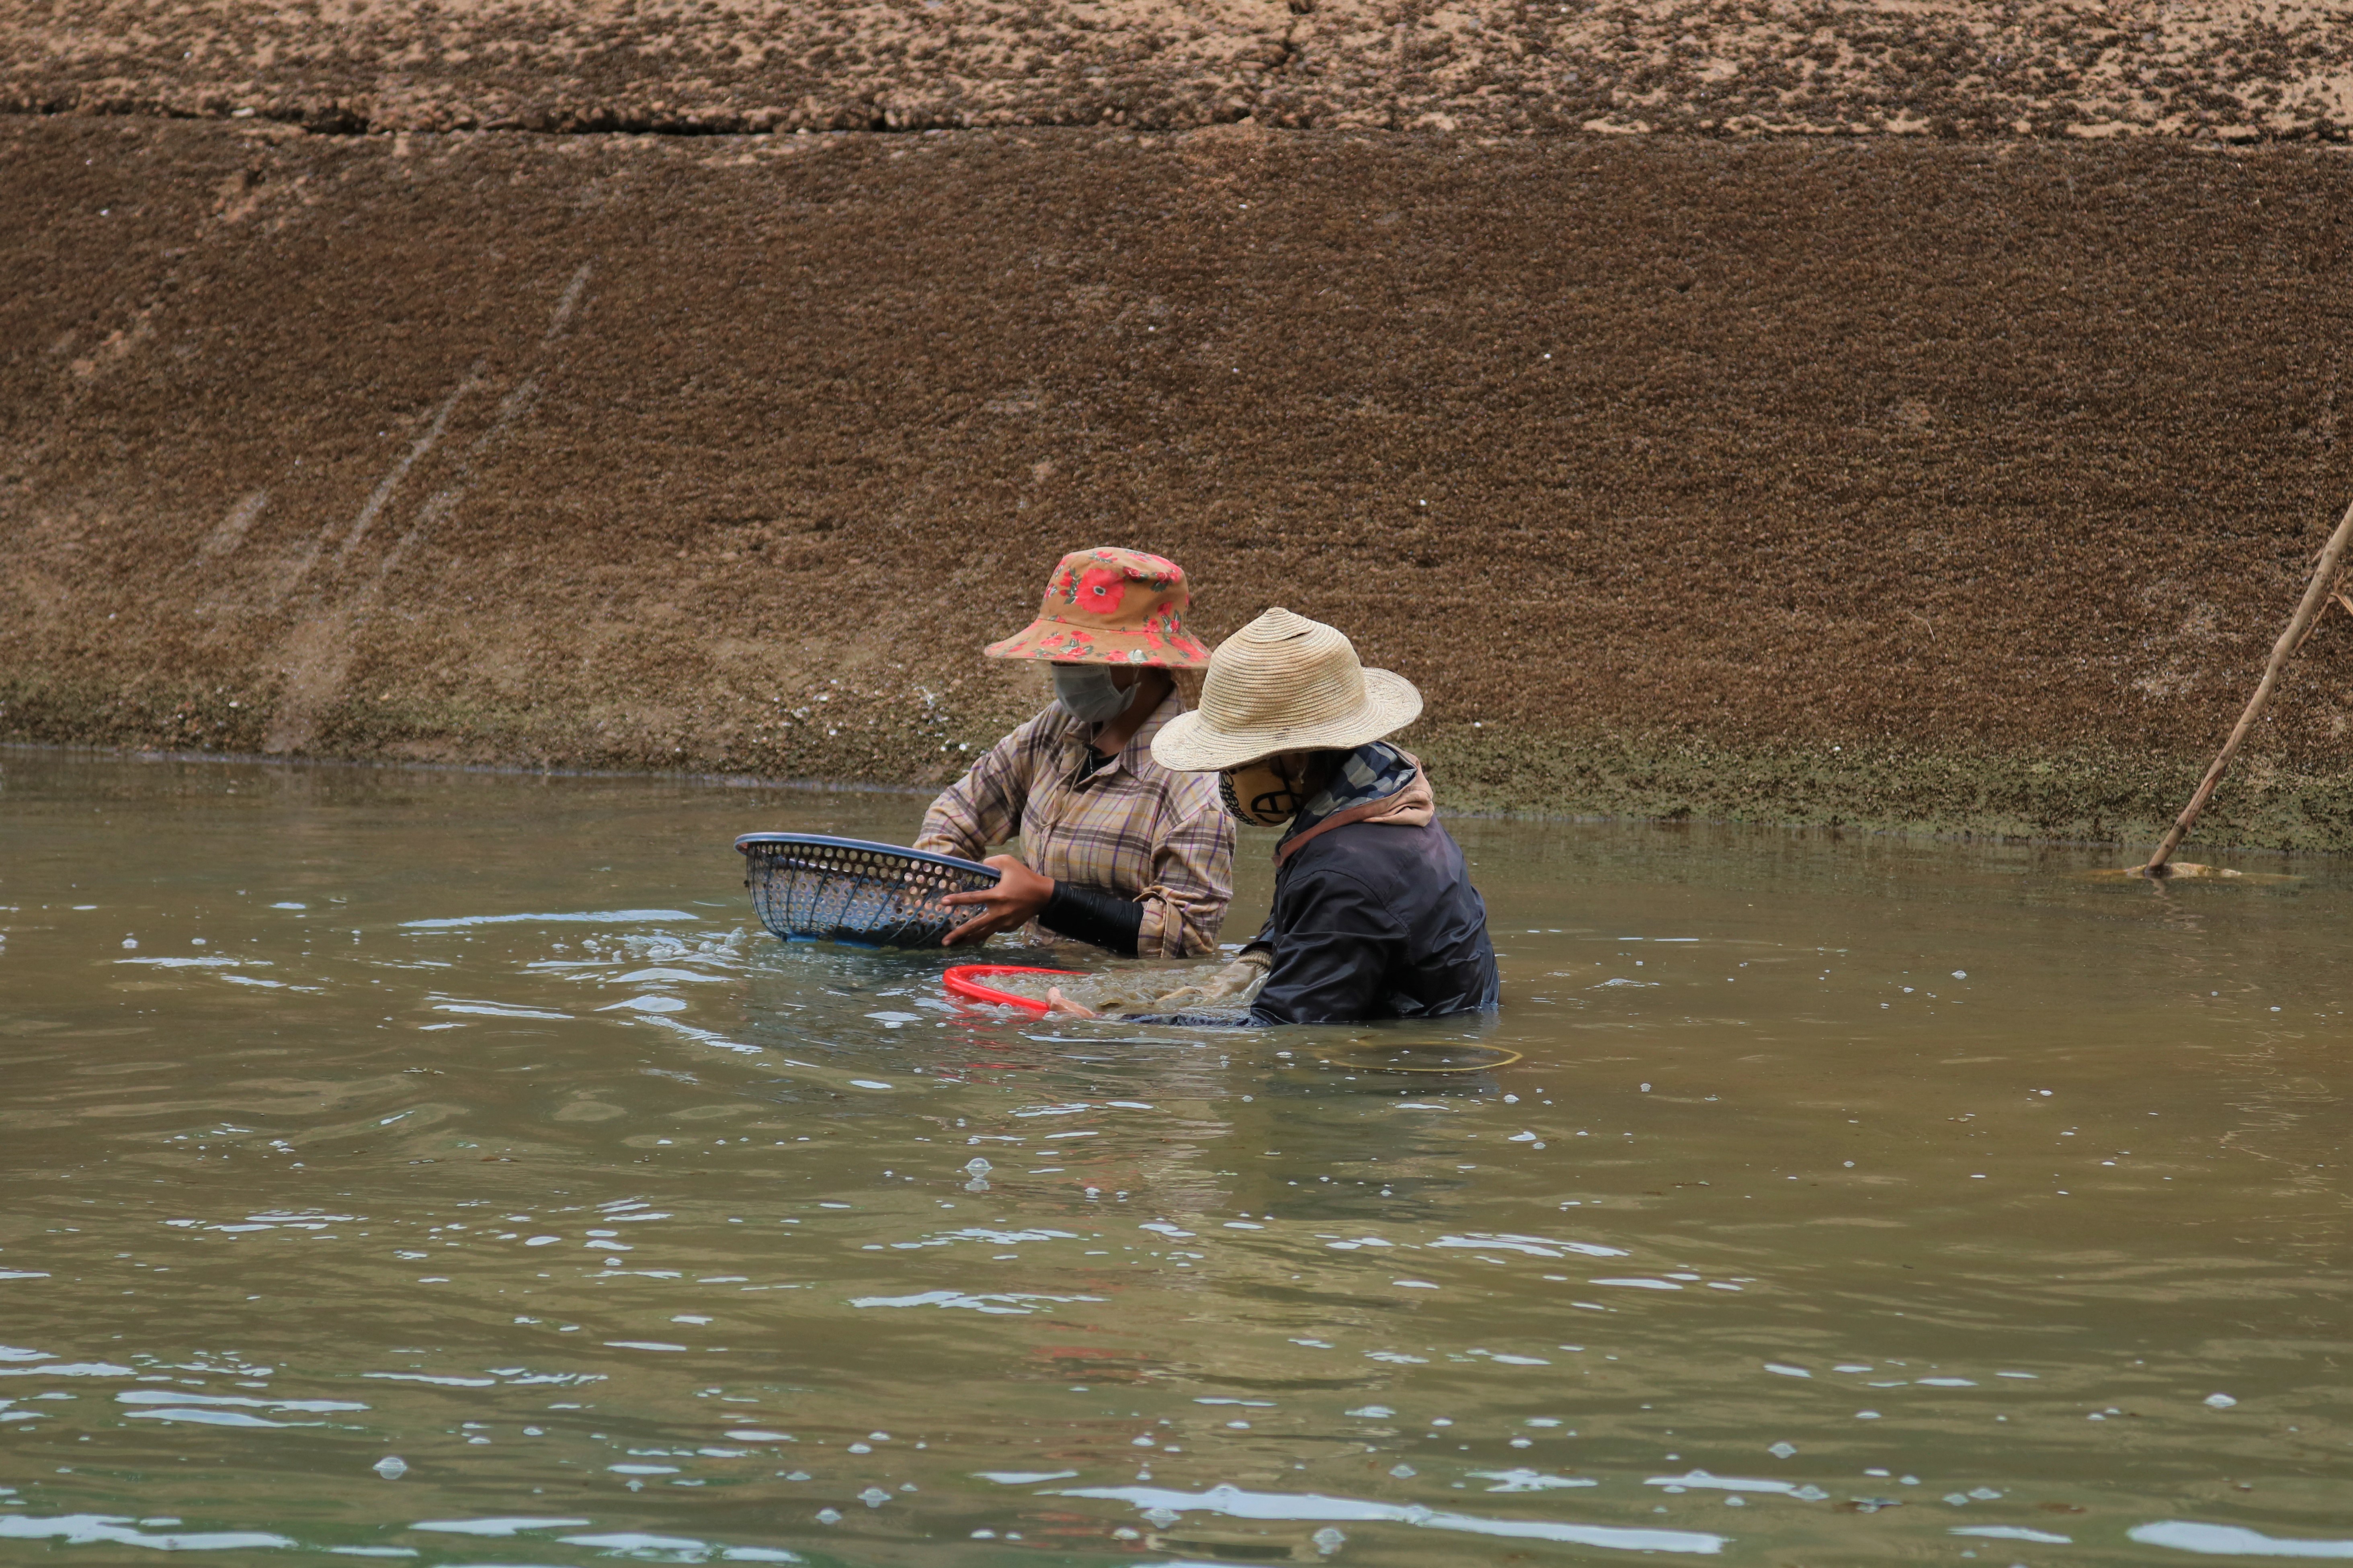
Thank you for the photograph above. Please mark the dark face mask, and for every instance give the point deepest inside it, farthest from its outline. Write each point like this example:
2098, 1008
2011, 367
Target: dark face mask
1260, 793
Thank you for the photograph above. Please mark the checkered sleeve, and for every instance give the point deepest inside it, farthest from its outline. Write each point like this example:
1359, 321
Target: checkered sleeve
1192, 883
983, 808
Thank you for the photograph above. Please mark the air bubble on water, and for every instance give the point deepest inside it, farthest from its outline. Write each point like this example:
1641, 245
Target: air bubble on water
978, 1166
1161, 1518
392, 1467
829, 1515
2221, 1401
1782, 1451
1960, 974
1809, 1494
874, 1497
1327, 1540
1402, 1472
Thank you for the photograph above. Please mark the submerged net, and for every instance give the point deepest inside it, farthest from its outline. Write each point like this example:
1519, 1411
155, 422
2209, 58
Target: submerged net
1380, 1056
807, 886
1196, 990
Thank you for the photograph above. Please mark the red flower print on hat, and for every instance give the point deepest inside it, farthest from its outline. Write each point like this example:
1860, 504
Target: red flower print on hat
1101, 588
1109, 605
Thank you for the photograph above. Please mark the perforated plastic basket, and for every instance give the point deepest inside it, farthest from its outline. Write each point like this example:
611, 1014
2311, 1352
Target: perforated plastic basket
808, 886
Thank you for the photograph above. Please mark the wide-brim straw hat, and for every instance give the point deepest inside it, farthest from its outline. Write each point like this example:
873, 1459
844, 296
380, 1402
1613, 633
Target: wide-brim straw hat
1284, 683
1111, 606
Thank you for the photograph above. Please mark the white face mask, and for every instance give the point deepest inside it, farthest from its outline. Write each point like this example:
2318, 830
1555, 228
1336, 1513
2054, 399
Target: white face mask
1087, 691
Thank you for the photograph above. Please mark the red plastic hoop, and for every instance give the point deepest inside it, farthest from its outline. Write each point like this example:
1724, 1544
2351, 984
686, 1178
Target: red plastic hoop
965, 981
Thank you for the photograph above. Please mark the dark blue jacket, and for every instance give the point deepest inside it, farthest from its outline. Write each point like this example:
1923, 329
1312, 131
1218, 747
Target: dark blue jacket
1376, 920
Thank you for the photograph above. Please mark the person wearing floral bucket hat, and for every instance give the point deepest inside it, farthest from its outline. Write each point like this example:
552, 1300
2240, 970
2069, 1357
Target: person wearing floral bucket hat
1120, 851
1374, 916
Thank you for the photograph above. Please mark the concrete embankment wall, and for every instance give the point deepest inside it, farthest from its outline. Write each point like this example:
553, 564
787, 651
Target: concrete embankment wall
1887, 481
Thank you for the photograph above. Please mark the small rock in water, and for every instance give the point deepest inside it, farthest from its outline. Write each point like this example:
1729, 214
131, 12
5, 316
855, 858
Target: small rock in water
392, 1467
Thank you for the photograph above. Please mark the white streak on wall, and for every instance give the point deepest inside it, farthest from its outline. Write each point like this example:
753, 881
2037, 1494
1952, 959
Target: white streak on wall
232, 529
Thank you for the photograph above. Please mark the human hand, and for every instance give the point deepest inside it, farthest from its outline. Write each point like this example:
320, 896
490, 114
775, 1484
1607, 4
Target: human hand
1018, 895
1242, 977
1059, 1006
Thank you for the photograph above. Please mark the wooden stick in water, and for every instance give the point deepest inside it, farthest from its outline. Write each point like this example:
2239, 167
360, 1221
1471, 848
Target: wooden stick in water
2315, 599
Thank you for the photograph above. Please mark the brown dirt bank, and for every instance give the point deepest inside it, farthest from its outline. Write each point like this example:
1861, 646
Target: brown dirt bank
1889, 482
2226, 68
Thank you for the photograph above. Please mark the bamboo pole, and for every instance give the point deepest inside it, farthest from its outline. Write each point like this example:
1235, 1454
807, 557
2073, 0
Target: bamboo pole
2315, 599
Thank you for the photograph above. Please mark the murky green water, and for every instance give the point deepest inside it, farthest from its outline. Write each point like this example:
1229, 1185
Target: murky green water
444, 1169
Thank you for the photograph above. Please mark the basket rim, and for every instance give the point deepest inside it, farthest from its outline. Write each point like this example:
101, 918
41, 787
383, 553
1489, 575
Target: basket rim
746, 843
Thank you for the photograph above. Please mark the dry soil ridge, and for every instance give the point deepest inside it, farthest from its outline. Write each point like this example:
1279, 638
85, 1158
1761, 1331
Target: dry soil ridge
2273, 69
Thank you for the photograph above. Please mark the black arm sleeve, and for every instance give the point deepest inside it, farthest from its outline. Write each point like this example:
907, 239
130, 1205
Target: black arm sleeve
1092, 915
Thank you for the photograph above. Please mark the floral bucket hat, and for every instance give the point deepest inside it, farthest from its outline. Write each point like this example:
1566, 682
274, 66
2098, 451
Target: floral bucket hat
1111, 606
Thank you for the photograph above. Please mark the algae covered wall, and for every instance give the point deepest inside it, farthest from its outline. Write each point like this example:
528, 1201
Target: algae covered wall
1898, 482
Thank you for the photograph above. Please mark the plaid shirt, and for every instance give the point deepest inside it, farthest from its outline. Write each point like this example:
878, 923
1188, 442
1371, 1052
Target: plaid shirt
1131, 828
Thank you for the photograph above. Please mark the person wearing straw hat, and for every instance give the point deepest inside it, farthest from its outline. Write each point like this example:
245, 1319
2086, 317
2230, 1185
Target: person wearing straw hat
1120, 851
1374, 916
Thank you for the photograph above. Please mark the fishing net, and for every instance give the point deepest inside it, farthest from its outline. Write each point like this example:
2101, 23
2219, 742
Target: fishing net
1381, 1056
807, 886
1192, 990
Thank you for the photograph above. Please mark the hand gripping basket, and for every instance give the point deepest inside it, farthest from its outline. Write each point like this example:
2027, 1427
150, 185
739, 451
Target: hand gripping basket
807, 886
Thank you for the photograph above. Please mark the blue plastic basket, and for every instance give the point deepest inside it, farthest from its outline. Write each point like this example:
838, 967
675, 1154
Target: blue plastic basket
809, 886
